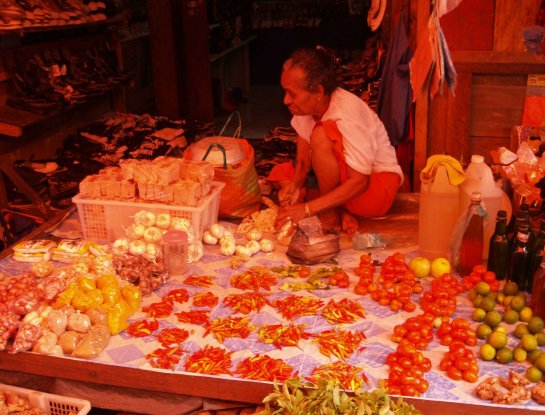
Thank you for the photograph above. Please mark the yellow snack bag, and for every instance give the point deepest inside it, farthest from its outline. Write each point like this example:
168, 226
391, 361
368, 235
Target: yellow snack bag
117, 317
86, 283
81, 301
132, 295
106, 280
65, 297
96, 296
111, 294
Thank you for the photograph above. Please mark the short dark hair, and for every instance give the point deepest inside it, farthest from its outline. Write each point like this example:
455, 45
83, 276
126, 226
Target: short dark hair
318, 66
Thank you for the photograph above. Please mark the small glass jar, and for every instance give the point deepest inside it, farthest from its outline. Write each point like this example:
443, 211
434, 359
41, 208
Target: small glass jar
175, 252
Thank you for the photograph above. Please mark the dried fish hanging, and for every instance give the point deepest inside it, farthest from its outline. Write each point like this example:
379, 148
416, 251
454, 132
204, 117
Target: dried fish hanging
431, 64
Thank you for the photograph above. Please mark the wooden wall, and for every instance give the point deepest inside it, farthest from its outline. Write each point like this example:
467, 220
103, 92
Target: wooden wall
486, 45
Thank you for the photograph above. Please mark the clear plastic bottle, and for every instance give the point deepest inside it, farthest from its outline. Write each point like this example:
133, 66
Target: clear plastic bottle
437, 215
479, 178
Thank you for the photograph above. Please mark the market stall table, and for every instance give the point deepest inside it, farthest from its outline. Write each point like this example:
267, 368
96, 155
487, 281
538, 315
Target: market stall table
121, 378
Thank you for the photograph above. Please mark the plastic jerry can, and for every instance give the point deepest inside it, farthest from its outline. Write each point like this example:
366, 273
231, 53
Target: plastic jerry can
479, 178
437, 215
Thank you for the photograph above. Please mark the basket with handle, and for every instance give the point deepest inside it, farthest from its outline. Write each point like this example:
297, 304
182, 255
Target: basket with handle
233, 158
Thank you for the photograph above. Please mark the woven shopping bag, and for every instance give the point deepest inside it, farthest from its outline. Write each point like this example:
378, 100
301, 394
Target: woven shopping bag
241, 195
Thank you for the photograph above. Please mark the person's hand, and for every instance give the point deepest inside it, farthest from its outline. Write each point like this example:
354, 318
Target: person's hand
288, 194
292, 213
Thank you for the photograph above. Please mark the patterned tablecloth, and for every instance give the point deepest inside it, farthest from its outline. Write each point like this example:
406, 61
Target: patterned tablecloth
377, 326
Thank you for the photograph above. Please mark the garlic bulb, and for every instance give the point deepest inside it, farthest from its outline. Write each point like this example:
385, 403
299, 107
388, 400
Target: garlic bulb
163, 220
254, 235
137, 247
217, 230
242, 251
209, 239
180, 224
228, 247
195, 252
266, 245
135, 231
120, 246
227, 239
153, 234
152, 251
253, 247
143, 217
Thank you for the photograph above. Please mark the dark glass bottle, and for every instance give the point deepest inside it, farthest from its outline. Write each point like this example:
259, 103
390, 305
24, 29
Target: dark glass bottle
471, 248
519, 257
498, 253
523, 213
535, 256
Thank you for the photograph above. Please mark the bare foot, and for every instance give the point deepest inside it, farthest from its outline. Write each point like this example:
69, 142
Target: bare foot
349, 223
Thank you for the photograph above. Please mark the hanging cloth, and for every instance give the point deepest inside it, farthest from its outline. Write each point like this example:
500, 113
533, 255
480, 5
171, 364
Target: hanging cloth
394, 95
431, 64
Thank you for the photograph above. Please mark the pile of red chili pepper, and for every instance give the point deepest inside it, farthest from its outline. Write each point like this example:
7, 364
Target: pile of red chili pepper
179, 296
142, 328
348, 376
255, 278
165, 358
205, 299
340, 343
345, 311
281, 335
227, 327
245, 303
199, 280
296, 306
199, 317
172, 335
210, 360
162, 309
264, 368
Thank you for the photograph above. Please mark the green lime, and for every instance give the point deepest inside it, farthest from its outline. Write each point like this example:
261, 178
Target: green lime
501, 329
504, 355
478, 315
540, 362
500, 298
507, 301
472, 294
535, 325
492, 318
511, 316
477, 301
510, 288
540, 338
488, 304
487, 352
483, 331
533, 374
497, 340
528, 342
517, 303
534, 354
526, 314
520, 330
520, 355
482, 288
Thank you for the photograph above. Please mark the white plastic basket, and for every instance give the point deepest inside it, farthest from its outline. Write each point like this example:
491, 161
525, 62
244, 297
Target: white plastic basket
49, 403
105, 220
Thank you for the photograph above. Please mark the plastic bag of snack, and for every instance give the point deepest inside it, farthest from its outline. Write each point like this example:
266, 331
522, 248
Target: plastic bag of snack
111, 294
86, 284
69, 340
81, 301
57, 321
65, 297
25, 338
117, 317
52, 286
96, 298
105, 281
9, 322
93, 343
97, 315
79, 322
132, 295
25, 303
